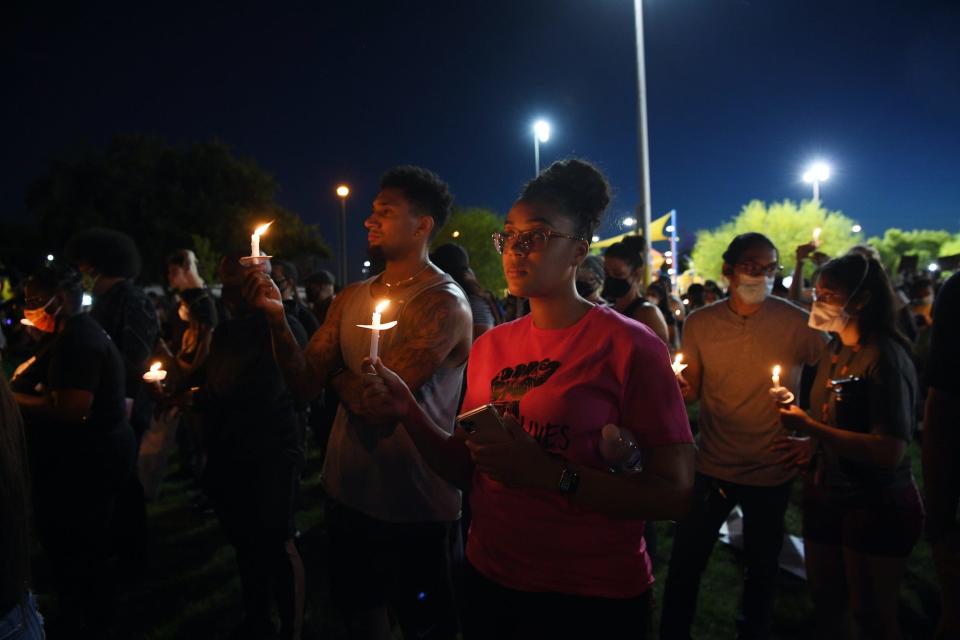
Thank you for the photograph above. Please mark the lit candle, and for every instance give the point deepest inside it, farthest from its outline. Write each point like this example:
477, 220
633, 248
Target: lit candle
156, 375
375, 328
255, 239
781, 394
677, 366
816, 235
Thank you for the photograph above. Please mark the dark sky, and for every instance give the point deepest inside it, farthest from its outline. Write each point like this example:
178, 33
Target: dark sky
741, 95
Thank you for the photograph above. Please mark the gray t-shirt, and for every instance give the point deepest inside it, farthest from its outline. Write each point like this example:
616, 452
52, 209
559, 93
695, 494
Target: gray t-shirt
378, 470
736, 355
878, 394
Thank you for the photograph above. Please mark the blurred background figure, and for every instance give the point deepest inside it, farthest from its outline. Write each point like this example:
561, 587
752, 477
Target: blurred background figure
623, 266
320, 289
590, 279
454, 260
286, 277
81, 446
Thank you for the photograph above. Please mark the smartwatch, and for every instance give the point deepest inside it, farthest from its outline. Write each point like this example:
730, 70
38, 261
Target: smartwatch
569, 481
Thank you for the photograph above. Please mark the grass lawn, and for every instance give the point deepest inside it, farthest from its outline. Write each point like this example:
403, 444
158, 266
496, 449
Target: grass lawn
191, 589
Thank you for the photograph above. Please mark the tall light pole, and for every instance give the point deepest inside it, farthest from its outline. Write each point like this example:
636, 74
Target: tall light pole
642, 148
817, 172
541, 133
342, 192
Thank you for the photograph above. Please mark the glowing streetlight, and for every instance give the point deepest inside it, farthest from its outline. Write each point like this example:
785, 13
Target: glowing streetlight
595, 239
541, 133
933, 267
817, 172
455, 234
629, 222
856, 228
342, 192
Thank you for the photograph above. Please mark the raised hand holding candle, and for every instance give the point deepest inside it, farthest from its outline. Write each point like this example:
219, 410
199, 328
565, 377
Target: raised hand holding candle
375, 328
156, 375
255, 256
677, 366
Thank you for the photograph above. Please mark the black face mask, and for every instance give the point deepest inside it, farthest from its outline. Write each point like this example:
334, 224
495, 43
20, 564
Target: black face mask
585, 289
614, 288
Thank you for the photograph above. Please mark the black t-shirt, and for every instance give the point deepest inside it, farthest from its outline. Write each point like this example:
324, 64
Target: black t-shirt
83, 357
943, 367
130, 319
203, 307
248, 411
879, 397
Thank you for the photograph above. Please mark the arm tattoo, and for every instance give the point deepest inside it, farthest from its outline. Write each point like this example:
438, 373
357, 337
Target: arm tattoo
306, 370
437, 326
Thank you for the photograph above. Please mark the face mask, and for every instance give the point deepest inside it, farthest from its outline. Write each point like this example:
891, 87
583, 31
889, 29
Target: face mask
614, 288
828, 317
184, 312
585, 289
754, 289
41, 319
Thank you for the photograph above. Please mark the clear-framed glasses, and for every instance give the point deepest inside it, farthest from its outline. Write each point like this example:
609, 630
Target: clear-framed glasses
828, 297
526, 241
752, 268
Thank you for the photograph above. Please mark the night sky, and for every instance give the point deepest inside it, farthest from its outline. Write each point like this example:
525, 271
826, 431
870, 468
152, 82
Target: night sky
742, 94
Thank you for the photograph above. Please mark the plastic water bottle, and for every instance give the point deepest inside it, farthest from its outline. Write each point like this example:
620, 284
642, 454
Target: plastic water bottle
619, 449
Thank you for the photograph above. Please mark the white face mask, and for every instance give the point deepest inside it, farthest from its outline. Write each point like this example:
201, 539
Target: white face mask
828, 317
754, 289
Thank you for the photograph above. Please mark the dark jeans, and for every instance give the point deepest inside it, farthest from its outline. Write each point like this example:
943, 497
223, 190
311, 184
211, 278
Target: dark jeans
763, 510
407, 567
494, 612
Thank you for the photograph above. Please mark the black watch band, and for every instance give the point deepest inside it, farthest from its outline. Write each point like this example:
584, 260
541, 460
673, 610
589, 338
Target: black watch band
569, 481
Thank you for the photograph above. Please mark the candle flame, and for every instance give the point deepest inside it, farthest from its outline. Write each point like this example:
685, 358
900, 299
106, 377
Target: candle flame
678, 359
383, 304
156, 366
816, 234
776, 370
262, 229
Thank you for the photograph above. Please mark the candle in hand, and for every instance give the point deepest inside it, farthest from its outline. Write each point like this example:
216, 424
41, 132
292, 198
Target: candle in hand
376, 327
816, 235
255, 239
780, 394
156, 375
677, 366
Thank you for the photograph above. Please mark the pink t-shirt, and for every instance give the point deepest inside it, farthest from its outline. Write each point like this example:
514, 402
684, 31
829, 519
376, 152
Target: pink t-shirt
570, 383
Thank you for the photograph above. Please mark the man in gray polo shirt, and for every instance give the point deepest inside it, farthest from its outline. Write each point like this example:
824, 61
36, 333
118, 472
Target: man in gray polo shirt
731, 347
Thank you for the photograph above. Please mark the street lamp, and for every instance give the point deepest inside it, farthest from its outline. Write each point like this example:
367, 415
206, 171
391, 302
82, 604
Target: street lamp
856, 228
817, 172
541, 133
629, 222
342, 192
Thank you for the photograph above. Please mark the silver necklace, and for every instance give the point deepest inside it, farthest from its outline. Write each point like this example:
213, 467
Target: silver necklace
407, 280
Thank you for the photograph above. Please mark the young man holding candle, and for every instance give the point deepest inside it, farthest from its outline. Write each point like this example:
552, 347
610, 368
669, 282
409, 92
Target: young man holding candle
392, 519
730, 348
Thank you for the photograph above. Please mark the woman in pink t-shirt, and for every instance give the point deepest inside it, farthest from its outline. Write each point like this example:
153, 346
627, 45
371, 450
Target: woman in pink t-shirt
556, 546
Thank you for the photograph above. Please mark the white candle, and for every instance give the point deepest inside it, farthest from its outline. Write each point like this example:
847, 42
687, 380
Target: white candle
776, 377
376, 327
255, 239
156, 375
816, 235
677, 366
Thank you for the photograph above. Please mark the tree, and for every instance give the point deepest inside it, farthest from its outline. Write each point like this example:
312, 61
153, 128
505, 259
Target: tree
474, 227
167, 197
786, 223
926, 244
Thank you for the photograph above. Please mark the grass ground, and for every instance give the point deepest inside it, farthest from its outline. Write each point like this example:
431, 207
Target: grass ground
191, 588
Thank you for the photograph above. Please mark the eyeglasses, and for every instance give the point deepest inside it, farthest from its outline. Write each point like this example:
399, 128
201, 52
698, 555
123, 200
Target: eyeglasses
755, 269
828, 297
526, 241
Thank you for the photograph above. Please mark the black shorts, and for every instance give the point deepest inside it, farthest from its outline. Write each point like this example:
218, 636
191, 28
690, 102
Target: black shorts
405, 566
886, 522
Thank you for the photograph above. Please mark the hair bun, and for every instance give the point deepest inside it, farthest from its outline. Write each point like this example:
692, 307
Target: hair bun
575, 186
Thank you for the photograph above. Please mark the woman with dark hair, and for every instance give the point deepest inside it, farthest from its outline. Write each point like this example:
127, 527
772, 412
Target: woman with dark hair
556, 545
19, 619
862, 513
658, 295
623, 264
81, 445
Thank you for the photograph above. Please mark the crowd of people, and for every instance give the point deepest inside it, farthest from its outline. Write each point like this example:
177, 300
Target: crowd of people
529, 528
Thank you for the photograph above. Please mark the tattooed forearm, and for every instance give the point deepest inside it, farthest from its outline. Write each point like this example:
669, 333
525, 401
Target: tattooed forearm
435, 330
